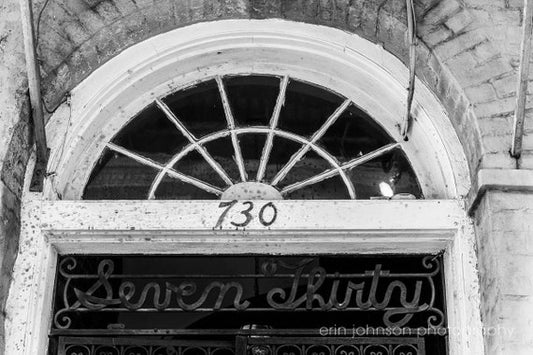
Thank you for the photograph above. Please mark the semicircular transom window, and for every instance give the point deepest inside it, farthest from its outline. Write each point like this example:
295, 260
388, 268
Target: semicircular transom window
252, 137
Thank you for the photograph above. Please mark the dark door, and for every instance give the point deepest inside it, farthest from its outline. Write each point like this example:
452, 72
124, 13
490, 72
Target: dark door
253, 305
244, 345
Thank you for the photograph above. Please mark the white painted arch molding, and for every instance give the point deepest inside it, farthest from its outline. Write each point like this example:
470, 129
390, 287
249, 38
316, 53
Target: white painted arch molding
343, 62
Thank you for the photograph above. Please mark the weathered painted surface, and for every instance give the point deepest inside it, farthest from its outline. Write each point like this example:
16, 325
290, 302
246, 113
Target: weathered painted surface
181, 227
14, 143
299, 216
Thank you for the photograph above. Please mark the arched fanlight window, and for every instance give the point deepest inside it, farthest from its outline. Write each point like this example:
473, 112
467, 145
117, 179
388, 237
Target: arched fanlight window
253, 137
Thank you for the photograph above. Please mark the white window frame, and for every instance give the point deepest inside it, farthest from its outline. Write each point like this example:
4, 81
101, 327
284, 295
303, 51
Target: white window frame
361, 71
343, 62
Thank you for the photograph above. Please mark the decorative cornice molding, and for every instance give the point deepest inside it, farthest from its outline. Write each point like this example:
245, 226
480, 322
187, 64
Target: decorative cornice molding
498, 180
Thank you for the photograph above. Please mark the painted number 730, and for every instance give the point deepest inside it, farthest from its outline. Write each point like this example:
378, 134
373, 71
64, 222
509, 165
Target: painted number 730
267, 213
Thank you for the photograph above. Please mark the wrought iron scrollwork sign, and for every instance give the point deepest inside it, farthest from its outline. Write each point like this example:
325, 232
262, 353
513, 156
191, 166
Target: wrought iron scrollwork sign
307, 287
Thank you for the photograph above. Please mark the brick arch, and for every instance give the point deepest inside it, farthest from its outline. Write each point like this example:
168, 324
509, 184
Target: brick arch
341, 61
455, 58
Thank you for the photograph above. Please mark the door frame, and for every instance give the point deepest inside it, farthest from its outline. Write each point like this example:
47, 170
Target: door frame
51, 228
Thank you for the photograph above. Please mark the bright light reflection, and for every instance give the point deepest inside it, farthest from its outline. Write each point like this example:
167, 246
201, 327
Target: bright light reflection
385, 189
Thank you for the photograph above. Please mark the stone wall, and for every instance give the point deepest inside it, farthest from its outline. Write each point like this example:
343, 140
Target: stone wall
467, 54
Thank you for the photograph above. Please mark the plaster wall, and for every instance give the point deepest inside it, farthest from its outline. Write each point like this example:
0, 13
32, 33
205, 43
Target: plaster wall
14, 141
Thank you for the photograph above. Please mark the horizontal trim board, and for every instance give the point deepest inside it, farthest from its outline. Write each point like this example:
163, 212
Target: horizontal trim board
270, 217
389, 242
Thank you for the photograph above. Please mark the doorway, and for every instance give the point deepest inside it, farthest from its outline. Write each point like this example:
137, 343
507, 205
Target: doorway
253, 304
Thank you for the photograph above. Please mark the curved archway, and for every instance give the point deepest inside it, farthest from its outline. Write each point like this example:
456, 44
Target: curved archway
361, 71
358, 69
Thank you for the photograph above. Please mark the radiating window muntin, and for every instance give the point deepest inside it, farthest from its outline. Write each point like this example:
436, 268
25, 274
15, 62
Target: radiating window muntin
303, 140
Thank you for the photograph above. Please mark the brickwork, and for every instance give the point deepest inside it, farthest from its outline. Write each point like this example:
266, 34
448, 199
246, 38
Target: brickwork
462, 54
505, 252
479, 41
501, 22
467, 54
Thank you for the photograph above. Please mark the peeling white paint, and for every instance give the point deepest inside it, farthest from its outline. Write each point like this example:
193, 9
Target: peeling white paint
186, 227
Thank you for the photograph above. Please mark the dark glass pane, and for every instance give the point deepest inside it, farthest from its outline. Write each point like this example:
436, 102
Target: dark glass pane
199, 108
306, 108
353, 134
252, 149
117, 177
282, 150
310, 165
392, 169
223, 152
330, 189
194, 164
252, 98
152, 135
174, 189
